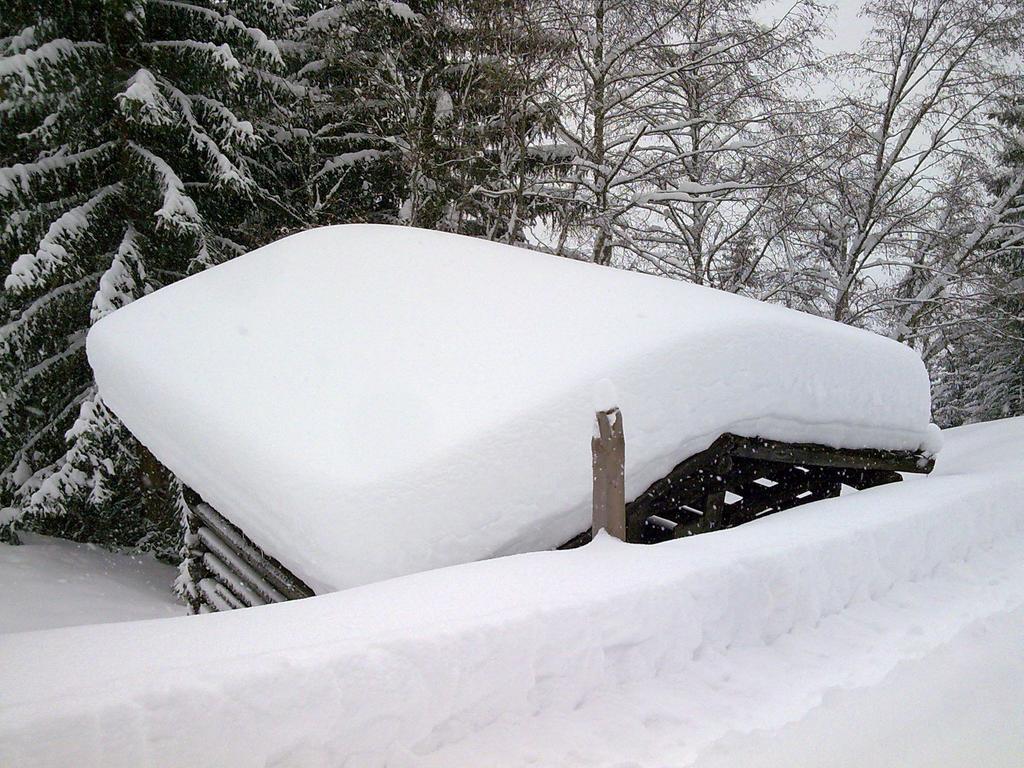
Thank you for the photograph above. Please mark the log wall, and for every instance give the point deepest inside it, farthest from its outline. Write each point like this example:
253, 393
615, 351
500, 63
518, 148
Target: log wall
228, 570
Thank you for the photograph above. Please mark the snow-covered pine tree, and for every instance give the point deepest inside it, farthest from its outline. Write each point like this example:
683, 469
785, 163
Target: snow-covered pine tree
136, 149
432, 114
980, 376
503, 59
363, 72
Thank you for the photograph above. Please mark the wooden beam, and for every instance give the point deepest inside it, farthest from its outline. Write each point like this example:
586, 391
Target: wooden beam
825, 456
608, 452
578, 540
712, 519
238, 569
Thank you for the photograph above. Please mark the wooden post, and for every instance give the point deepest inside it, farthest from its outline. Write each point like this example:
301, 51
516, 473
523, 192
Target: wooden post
608, 448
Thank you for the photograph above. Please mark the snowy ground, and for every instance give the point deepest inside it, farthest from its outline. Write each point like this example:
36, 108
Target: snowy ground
958, 705
48, 583
882, 628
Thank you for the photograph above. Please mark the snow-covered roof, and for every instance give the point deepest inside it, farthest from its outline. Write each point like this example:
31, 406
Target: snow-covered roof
369, 401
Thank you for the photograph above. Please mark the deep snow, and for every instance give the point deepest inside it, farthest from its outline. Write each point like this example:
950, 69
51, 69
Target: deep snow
958, 706
48, 582
369, 401
608, 655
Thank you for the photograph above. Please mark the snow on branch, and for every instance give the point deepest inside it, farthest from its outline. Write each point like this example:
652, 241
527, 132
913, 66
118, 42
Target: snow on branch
348, 159
28, 378
336, 16
401, 10
31, 269
231, 24
178, 209
220, 54
239, 131
142, 100
18, 177
690, 192
118, 285
223, 169
79, 470
21, 41
13, 333
29, 64
940, 279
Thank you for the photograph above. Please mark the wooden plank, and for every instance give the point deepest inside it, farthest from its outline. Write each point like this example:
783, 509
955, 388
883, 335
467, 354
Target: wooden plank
657, 529
279, 577
868, 478
687, 484
782, 496
220, 573
822, 455
713, 509
217, 597
827, 487
241, 570
713, 516
578, 540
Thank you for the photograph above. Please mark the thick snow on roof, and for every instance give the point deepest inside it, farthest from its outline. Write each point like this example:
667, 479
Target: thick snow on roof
370, 401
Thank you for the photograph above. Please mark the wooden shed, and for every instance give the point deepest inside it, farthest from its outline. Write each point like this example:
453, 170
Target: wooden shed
361, 402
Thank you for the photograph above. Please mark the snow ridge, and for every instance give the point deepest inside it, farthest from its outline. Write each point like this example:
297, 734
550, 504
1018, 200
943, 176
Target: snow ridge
716, 631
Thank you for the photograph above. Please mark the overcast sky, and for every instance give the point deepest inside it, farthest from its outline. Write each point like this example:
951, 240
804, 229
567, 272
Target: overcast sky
849, 30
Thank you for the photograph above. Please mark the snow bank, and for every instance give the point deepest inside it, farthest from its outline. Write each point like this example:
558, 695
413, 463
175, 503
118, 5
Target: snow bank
369, 401
454, 666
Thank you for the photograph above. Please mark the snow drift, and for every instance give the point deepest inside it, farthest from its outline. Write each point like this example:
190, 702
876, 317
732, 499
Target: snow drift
586, 650
369, 401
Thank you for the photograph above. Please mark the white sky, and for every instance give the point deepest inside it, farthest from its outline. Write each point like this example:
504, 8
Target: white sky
848, 29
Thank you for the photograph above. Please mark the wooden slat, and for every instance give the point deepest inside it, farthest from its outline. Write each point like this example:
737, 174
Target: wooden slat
220, 573
687, 484
778, 498
824, 456
241, 570
279, 577
868, 478
217, 596
578, 540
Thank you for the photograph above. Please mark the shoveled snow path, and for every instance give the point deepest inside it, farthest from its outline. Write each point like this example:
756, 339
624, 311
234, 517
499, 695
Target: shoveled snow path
609, 655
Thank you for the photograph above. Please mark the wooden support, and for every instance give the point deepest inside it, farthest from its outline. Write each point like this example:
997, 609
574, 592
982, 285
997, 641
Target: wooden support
714, 506
821, 455
608, 450
691, 498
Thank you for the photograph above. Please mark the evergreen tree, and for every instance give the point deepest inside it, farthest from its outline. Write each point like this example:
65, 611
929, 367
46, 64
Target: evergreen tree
502, 61
138, 147
982, 372
433, 114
